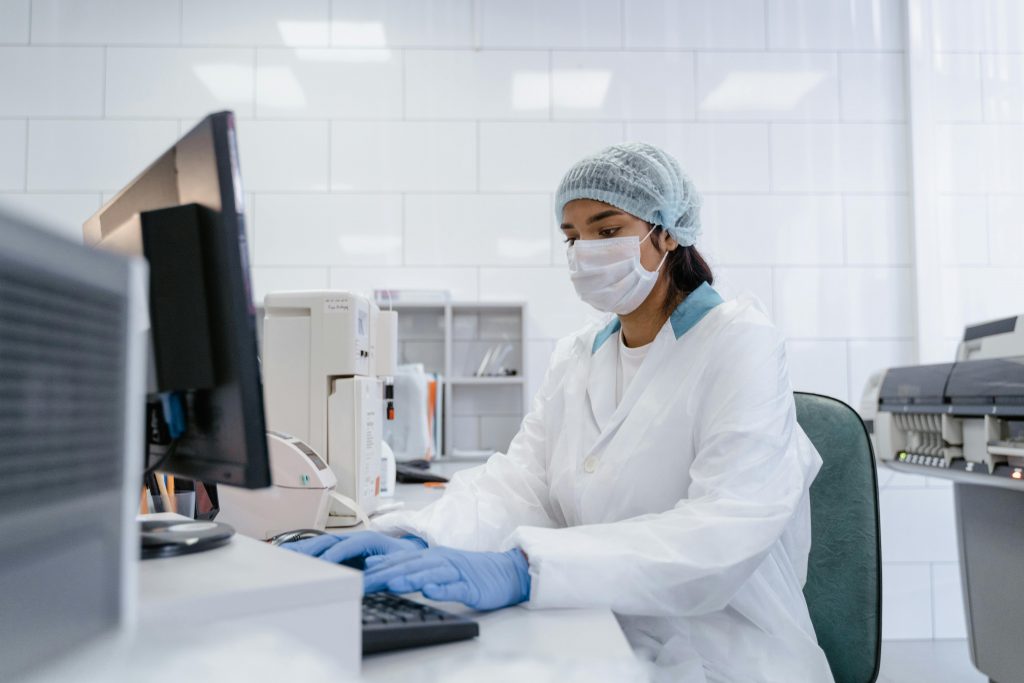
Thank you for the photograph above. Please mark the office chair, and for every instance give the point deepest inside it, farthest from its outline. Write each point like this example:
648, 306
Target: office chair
844, 572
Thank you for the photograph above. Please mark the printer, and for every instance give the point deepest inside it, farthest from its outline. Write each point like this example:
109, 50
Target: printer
964, 421
967, 415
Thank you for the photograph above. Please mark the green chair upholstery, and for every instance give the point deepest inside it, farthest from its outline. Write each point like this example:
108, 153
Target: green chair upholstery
844, 573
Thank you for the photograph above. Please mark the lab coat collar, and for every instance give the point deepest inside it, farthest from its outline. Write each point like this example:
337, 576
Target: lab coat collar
690, 312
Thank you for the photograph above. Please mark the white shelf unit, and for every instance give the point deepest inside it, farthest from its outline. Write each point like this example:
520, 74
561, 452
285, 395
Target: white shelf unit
451, 339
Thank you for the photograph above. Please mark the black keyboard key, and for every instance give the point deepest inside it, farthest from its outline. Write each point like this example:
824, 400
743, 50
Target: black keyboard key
391, 622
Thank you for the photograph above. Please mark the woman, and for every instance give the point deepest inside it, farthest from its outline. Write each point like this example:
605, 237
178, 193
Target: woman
660, 472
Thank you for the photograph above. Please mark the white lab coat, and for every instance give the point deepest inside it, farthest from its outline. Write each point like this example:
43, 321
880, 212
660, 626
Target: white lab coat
684, 509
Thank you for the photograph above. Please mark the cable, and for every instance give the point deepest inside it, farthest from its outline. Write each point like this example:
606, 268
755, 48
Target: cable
171, 447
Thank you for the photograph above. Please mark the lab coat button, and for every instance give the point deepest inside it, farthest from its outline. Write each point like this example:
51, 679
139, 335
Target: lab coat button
590, 464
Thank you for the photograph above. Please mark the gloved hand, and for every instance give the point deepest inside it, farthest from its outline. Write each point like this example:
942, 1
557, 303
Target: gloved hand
342, 547
480, 580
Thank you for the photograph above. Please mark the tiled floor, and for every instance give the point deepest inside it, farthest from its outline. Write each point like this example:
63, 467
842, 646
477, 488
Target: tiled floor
927, 661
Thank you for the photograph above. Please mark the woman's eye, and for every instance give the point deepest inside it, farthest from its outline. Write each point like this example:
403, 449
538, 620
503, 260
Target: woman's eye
607, 232
569, 240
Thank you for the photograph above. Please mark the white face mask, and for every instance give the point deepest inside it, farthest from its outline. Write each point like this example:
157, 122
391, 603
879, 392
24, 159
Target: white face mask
608, 275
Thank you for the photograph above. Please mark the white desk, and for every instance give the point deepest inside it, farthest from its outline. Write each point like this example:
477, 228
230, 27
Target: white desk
549, 638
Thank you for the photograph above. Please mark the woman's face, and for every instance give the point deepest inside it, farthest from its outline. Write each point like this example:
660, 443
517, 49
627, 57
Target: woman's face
588, 219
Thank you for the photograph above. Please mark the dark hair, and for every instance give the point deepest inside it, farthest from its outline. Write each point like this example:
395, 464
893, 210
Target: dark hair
687, 270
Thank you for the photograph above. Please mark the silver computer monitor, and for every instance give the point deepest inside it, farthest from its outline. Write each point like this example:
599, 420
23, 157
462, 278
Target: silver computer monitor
72, 390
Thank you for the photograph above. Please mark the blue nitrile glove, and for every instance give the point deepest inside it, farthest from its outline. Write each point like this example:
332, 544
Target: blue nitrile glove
342, 547
479, 580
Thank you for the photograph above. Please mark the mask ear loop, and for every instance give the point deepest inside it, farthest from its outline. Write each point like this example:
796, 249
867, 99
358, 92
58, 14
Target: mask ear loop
663, 258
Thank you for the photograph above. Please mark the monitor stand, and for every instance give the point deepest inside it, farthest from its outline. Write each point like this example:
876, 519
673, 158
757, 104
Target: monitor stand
173, 537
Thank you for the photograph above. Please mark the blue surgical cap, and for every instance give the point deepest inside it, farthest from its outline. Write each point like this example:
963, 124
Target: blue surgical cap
639, 179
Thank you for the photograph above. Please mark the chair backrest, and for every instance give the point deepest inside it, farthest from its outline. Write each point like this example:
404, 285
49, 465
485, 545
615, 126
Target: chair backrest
844, 573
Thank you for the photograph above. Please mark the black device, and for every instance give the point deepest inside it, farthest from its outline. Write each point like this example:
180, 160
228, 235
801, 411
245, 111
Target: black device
184, 213
391, 622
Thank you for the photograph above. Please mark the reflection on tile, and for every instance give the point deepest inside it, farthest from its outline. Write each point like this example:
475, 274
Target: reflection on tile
719, 157
178, 82
298, 23
319, 83
399, 23
978, 27
13, 140
51, 81
973, 294
767, 85
935, 661
681, 24
403, 156
477, 230
328, 230
734, 282
956, 88
461, 84
104, 22
76, 156
622, 85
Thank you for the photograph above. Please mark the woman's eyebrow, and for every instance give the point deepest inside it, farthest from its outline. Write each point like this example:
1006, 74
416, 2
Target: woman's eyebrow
604, 214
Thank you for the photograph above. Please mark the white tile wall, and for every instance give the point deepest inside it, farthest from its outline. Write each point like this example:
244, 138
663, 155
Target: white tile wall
400, 23
462, 84
14, 21
61, 213
51, 81
961, 222
549, 23
480, 229
767, 85
843, 302
835, 24
622, 85
775, 230
1002, 83
403, 157
75, 156
284, 156
152, 82
328, 230
328, 83
297, 23
980, 26
687, 24
531, 157
105, 22
720, 157
956, 87
417, 144
877, 230
827, 157
948, 601
13, 145
1006, 229
819, 367
872, 87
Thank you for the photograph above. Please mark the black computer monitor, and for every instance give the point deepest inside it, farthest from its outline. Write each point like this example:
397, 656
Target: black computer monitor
184, 213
